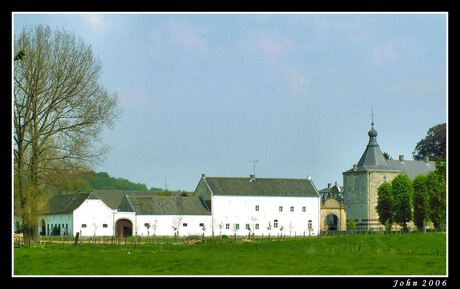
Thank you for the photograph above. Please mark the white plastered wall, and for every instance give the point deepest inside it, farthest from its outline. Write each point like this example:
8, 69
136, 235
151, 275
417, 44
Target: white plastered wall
241, 210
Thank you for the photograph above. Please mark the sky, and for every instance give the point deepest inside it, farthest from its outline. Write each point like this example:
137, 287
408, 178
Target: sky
207, 93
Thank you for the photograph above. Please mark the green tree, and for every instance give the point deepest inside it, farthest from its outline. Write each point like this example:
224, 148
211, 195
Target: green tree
103, 181
402, 192
387, 156
421, 201
385, 205
351, 224
436, 186
433, 145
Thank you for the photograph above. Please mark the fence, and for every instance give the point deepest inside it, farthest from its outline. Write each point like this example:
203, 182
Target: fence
138, 240
371, 232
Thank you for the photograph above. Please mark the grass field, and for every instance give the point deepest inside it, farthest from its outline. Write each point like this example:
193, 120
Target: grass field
395, 254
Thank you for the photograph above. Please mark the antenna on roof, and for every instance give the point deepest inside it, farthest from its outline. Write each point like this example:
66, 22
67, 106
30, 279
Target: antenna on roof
254, 166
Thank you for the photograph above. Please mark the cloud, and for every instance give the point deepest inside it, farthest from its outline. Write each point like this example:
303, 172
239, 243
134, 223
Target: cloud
384, 53
298, 81
174, 34
96, 22
272, 46
188, 37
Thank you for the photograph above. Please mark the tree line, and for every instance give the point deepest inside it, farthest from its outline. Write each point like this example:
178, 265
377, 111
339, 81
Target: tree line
422, 200
82, 182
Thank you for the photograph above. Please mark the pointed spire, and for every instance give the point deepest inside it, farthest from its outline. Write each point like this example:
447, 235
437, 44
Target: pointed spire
372, 157
372, 116
372, 132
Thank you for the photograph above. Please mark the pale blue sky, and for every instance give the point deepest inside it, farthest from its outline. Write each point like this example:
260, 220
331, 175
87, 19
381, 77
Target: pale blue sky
207, 93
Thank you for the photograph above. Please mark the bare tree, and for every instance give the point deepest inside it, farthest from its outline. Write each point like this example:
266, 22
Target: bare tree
60, 110
177, 222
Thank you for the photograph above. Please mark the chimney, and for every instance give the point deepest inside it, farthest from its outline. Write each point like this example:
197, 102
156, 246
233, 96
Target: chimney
355, 167
427, 159
401, 158
329, 185
203, 176
252, 178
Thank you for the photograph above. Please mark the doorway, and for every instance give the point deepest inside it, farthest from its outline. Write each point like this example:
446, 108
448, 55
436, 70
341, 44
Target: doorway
332, 220
123, 228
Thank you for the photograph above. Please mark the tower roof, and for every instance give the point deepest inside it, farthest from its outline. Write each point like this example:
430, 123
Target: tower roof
372, 159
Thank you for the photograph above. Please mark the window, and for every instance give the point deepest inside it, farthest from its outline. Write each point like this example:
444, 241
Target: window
385, 179
227, 226
304, 209
184, 225
201, 224
248, 227
237, 226
281, 208
104, 225
292, 208
257, 208
257, 226
309, 224
146, 225
83, 225
275, 224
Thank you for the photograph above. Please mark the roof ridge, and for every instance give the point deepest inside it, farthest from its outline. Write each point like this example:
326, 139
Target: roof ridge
257, 178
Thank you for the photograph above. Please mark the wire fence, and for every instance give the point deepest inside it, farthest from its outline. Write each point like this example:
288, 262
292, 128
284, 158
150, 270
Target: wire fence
371, 232
141, 240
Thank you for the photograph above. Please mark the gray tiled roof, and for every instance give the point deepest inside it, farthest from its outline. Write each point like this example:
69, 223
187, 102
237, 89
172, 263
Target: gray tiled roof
113, 198
64, 204
412, 168
262, 187
163, 205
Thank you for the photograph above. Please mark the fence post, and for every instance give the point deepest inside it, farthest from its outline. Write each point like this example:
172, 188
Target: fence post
76, 238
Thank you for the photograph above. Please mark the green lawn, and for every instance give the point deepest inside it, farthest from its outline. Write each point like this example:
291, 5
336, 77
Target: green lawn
396, 254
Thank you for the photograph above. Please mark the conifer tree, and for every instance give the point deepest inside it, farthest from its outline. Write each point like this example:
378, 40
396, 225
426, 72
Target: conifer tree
402, 192
421, 201
385, 205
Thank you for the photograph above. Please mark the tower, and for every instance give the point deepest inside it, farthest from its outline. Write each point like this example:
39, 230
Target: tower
360, 184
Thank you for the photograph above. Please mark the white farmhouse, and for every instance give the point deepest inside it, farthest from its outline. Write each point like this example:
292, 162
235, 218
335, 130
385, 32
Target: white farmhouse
219, 206
265, 206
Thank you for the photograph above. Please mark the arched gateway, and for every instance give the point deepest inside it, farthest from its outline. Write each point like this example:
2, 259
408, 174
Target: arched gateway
333, 216
123, 228
332, 222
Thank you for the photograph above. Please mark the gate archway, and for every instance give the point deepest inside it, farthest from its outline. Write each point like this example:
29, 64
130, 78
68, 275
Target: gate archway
333, 207
332, 222
123, 228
